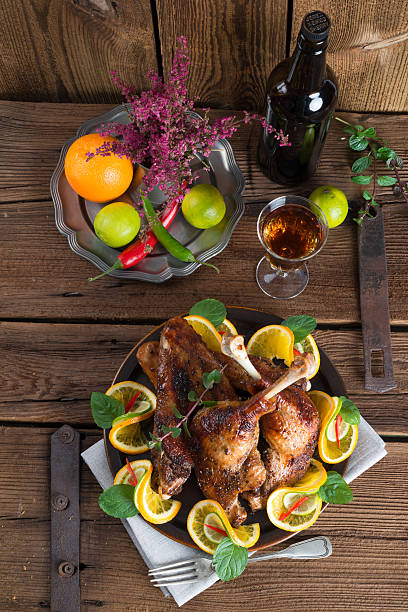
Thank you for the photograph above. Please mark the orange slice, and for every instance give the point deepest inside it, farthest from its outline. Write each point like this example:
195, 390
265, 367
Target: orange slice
272, 341
206, 330
128, 436
328, 408
209, 512
139, 467
151, 506
308, 345
227, 327
125, 392
314, 478
278, 503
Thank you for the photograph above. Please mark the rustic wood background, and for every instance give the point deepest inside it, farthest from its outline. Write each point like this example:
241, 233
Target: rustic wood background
63, 50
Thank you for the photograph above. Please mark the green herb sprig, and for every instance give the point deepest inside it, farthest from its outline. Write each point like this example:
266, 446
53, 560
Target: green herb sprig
229, 559
209, 379
301, 326
366, 139
349, 411
212, 310
335, 490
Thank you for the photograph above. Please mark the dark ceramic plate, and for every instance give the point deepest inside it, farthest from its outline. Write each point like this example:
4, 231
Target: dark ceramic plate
247, 321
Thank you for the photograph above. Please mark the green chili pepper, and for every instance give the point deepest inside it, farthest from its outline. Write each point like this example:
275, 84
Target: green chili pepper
173, 246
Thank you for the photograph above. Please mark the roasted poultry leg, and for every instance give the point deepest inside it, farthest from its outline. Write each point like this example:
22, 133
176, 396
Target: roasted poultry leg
225, 435
291, 430
183, 358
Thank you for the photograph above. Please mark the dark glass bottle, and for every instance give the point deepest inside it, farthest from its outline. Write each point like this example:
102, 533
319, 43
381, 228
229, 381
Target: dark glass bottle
301, 97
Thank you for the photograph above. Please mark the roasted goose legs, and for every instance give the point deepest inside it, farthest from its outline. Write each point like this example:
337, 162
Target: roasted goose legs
225, 438
291, 430
183, 358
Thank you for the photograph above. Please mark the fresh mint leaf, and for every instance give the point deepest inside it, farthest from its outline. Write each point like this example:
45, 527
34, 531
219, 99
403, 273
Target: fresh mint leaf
301, 326
105, 409
349, 411
357, 220
175, 432
335, 490
177, 412
369, 133
384, 181
165, 429
362, 179
212, 310
358, 143
367, 195
211, 378
229, 560
385, 153
118, 501
192, 396
361, 164
186, 431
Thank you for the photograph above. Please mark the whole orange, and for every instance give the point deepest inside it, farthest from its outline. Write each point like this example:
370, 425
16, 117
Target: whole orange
100, 179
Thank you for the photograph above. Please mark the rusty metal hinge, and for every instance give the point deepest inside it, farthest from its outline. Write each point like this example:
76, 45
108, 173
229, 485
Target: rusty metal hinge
65, 520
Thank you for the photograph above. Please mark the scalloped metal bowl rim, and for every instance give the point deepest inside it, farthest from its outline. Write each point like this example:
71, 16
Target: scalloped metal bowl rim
169, 272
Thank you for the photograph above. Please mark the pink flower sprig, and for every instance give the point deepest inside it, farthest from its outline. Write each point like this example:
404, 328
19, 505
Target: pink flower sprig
163, 135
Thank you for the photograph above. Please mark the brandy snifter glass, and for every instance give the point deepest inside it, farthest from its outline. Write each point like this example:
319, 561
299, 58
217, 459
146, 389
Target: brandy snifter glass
292, 230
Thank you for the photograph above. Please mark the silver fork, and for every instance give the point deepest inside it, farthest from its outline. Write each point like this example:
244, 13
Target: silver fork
191, 570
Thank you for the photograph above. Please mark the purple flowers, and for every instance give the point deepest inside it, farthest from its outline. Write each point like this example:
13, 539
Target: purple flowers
163, 135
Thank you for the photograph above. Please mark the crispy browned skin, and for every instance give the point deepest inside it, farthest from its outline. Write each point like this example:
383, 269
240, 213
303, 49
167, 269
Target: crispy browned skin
183, 358
291, 430
148, 357
226, 459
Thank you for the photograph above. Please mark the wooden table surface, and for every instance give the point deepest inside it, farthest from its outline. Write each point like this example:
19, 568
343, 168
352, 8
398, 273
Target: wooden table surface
61, 338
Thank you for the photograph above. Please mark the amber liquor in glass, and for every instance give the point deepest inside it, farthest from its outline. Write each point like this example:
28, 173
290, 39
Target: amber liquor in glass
292, 229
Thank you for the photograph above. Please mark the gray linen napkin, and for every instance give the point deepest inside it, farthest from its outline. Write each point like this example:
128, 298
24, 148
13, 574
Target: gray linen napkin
156, 549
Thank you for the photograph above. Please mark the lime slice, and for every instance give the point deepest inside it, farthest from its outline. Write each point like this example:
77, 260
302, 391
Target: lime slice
139, 473
331, 430
137, 409
308, 505
213, 520
335, 413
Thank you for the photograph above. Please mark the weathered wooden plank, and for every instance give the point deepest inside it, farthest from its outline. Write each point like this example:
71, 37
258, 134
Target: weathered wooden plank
64, 51
31, 136
368, 51
54, 284
53, 368
368, 537
233, 47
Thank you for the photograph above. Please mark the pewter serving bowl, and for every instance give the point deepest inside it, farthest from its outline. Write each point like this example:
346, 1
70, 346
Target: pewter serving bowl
74, 215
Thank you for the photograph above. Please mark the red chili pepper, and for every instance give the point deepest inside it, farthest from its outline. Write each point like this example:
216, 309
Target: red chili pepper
337, 424
299, 502
221, 531
133, 479
142, 247
296, 352
132, 401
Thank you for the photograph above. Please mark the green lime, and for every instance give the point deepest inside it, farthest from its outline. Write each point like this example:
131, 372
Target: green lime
333, 203
203, 206
117, 224
307, 506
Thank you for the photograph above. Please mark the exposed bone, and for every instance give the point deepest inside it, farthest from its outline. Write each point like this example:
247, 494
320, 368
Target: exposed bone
234, 347
302, 367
